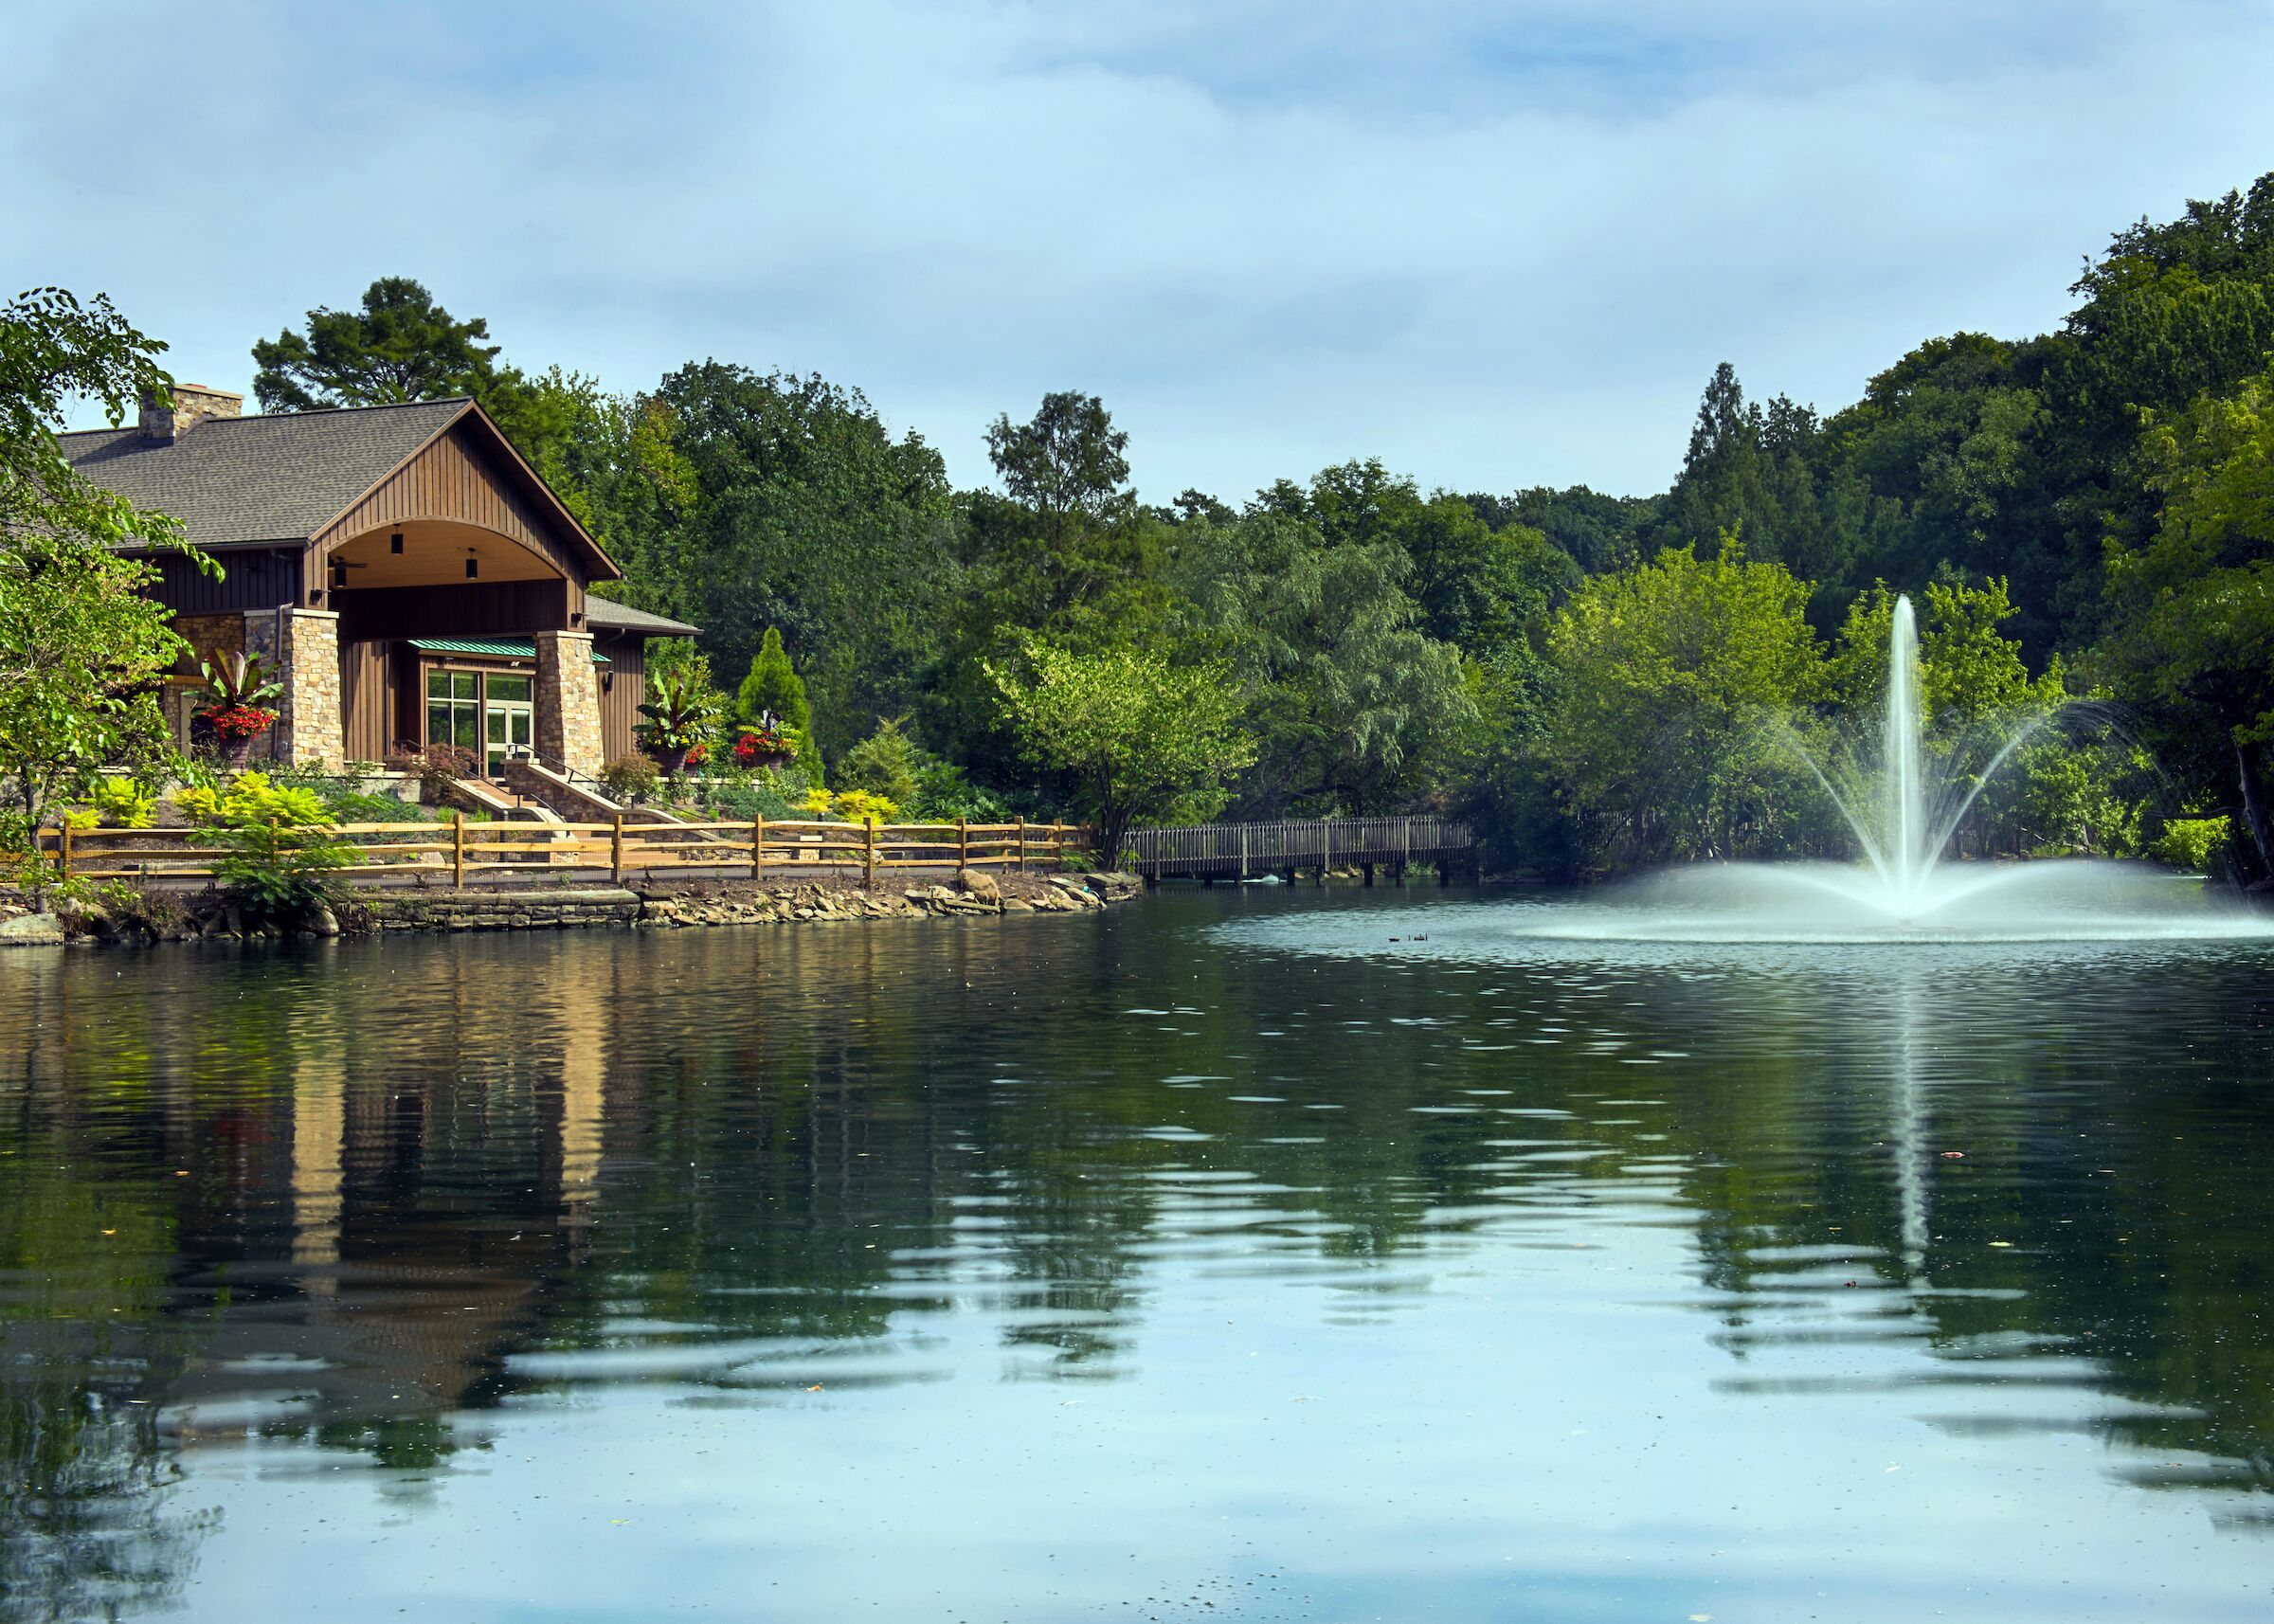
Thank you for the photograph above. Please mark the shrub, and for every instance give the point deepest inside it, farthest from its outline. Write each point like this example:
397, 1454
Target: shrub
2189, 844
631, 778
274, 870
254, 798
816, 803
275, 856
944, 794
439, 766
681, 709
122, 803
199, 803
859, 806
883, 764
353, 807
746, 801
153, 912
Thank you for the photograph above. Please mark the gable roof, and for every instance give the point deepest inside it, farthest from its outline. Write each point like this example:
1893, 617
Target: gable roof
288, 477
236, 479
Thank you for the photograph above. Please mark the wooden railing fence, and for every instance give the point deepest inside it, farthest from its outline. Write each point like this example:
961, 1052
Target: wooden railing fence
461, 848
1220, 851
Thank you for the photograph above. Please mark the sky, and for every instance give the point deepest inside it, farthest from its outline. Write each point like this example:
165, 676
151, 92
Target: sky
1495, 246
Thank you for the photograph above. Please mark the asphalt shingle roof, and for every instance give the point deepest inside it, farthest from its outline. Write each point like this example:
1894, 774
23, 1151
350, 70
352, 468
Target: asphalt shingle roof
606, 614
258, 478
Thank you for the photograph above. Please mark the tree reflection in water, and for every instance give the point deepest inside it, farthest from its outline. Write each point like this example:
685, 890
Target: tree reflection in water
354, 1196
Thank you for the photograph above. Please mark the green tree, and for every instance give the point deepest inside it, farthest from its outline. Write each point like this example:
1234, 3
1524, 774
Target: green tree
1477, 586
399, 346
2189, 637
1352, 706
616, 464
1664, 676
83, 650
773, 687
1063, 555
1141, 734
1067, 462
885, 763
808, 516
1596, 531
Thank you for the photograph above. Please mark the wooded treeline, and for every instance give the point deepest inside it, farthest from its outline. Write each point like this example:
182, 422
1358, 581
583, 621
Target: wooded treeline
1588, 674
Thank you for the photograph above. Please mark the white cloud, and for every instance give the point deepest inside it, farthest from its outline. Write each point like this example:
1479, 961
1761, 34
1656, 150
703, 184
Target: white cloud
1494, 245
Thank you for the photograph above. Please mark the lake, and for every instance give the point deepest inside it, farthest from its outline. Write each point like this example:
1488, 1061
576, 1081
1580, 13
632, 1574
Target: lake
1248, 1254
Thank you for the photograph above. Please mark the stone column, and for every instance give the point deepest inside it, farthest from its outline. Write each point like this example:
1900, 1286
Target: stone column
301, 649
567, 701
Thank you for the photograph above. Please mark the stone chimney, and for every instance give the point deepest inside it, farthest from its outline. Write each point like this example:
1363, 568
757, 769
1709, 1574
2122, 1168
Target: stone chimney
193, 405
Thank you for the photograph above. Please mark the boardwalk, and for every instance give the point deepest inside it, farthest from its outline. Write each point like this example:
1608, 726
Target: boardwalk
1241, 851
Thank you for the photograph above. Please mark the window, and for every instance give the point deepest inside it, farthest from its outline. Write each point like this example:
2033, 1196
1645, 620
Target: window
454, 709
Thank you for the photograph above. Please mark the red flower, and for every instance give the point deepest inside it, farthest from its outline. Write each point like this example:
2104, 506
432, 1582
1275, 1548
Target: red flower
756, 742
238, 721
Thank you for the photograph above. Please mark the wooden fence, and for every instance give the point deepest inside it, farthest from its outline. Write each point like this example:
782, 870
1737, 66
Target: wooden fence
1236, 851
461, 849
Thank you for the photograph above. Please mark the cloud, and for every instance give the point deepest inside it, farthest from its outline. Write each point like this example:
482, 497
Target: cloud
1495, 246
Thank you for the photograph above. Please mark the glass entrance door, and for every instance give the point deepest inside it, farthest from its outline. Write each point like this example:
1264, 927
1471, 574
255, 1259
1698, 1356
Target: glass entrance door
509, 721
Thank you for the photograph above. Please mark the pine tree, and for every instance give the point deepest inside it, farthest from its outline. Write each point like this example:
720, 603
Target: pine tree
774, 686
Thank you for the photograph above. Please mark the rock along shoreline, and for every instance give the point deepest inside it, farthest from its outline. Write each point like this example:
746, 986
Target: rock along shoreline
679, 905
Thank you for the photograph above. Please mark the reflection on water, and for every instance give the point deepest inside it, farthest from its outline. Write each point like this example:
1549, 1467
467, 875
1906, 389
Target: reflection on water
1220, 1257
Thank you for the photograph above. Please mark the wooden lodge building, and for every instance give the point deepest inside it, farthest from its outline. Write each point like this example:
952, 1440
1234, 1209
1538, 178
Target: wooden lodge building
402, 570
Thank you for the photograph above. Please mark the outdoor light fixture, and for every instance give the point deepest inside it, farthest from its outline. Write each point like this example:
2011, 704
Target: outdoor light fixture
339, 576
472, 569
394, 542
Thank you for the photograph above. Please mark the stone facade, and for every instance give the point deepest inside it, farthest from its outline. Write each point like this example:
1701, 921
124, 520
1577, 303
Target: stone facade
210, 637
567, 702
311, 720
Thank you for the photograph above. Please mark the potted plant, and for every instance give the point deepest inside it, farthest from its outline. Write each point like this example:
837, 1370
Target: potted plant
765, 743
678, 716
235, 710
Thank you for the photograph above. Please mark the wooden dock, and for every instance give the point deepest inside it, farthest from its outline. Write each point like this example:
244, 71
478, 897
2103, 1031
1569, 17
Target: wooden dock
1210, 852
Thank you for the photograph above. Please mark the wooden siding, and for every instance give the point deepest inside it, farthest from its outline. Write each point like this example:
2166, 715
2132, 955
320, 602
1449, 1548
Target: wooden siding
456, 479
367, 697
251, 579
623, 686
479, 609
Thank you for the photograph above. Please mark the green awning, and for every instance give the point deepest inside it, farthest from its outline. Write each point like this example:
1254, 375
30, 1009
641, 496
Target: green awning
495, 648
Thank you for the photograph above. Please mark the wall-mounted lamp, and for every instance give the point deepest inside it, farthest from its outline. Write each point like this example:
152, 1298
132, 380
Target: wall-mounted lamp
394, 542
607, 682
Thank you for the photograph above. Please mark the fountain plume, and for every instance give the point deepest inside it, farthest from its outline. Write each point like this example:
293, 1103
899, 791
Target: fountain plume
1903, 890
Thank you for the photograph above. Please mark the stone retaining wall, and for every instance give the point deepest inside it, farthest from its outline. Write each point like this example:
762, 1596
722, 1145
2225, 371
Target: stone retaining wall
538, 907
515, 909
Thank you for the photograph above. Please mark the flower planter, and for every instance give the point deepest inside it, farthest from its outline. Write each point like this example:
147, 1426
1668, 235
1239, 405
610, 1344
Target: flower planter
230, 733
767, 751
